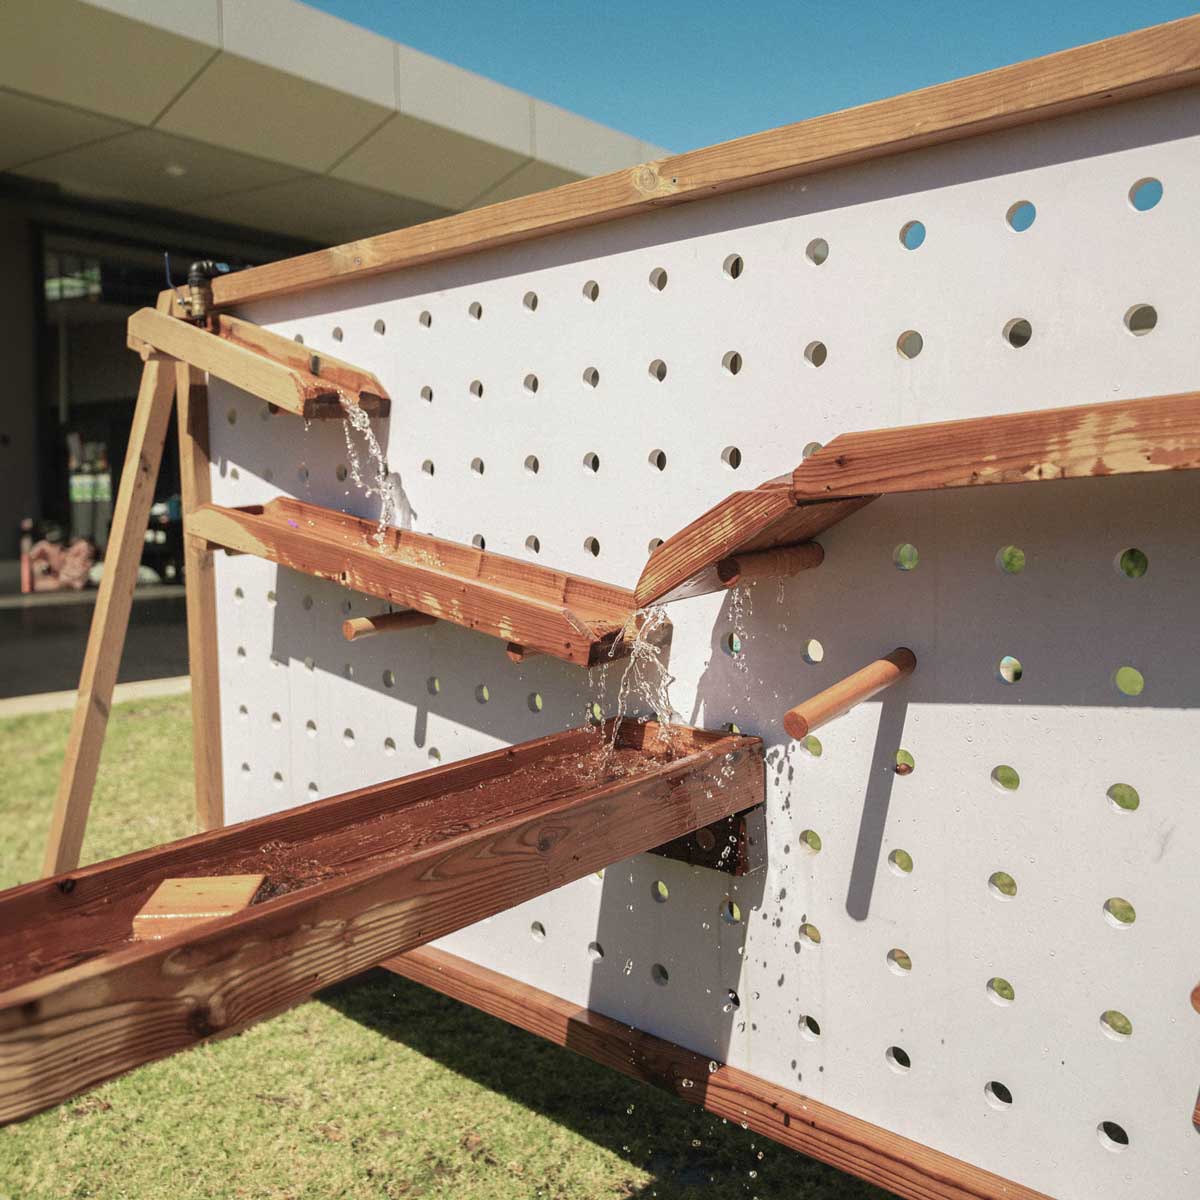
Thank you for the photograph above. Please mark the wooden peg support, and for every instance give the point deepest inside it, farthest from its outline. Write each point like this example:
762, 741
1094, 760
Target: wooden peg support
360, 627
769, 564
846, 693
734, 845
518, 653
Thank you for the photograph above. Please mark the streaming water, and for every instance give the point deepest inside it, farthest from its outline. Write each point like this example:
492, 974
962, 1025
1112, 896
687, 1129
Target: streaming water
645, 680
380, 483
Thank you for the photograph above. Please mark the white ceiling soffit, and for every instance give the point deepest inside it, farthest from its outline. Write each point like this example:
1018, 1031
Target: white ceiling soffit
271, 114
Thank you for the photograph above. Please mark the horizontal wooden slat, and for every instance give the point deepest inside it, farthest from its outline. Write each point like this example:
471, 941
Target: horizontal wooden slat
900, 1165
264, 364
568, 616
349, 881
1142, 63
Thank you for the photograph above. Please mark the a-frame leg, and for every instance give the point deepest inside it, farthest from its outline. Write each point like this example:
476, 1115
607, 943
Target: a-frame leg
196, 487
111, 618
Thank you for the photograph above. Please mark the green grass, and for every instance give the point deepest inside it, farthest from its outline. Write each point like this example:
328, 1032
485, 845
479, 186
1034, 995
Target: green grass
379, 1088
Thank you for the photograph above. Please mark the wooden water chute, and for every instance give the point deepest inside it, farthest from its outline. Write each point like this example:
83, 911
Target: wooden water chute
347, 882
842, 696
779, 518
552, 612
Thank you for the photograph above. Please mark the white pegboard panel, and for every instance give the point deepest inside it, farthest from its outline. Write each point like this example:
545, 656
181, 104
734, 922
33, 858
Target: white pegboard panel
304, 713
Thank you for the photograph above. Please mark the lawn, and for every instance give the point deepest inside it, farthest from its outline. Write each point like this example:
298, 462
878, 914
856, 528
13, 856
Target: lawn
379, 1088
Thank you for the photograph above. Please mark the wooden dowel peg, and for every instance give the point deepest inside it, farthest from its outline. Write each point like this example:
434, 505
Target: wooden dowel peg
769, 564
518, 653
846, 693
361, 627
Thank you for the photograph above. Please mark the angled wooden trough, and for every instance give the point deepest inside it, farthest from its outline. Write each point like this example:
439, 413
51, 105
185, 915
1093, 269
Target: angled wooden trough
1121, 437
539, 609
348, 881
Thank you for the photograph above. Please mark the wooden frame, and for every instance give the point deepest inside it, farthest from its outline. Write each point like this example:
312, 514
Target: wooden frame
1144, 63
857, 1147
1119, 437
350, 880
564, 615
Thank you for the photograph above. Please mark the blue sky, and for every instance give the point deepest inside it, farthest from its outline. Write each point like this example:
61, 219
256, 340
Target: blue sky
683, 74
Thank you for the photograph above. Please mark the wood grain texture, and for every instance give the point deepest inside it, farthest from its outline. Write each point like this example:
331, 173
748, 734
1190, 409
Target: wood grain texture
195, 480
350, 881
291, 388
1143, 63
110, 619
568, 616
842, 696
1119, 437
857, 1147
179, 904
753, 566
356, 628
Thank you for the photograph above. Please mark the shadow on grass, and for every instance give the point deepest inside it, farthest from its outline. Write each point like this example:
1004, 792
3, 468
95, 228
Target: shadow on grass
687, 1151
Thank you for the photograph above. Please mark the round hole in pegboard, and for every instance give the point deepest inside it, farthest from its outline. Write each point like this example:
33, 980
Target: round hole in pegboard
731, 360
1010, 559
1000, 991
592, 546
812, 745
1021, 215
537, 931
477, 466
810, 839
338, 335
900, 862
380, 327
732, 1001
313, 789
532, 464
314, 364
905, 556
389, 679
595, 951
1129, 681
731, 643
479, 541
238, 595
816, 354
813, 652
231, 416
302, 473
474, 311
340, 472
476, 389
243, 712
349, 671
1145, 194
1006, 778
905, 764
731, 456
389, 746
1002, 885
1131, 563
348, 737
909, 344
591, 462
1123, 797
425, 318
817, 251
234, 474
1119, 913
1140, 319
658, 369
591, 376
276, 720
310, 663
810, 934
1116, 1025
535, 702
241, 652
809, 450
298, 338
1112, 1136
657, 459
533, 544
1009, 669
427, 467
998, 1095
733, 266
307, 602
482, 693
897, 1058
530, 301
277, 779
658, 279
653, 544
245, 768
660, 974
912, 235
810, 1028
530, 383
434, 754
591, 290
731, 911
659, 892
1018, 332
433, 685
595, 714
899, 961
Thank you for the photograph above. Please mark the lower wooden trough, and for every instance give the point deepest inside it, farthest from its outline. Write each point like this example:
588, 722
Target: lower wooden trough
348, 881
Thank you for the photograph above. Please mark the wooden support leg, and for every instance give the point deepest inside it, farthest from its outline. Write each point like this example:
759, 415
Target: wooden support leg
111, 618
195, 480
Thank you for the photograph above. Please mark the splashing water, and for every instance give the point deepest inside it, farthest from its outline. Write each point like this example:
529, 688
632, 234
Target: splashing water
741, 608
380, 484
